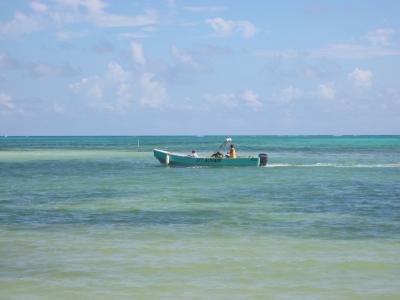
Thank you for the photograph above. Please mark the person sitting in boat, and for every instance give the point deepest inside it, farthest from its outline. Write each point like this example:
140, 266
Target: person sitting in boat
194, 154
232, 152
217, 155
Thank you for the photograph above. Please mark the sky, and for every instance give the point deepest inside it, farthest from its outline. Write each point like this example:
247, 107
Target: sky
102, 67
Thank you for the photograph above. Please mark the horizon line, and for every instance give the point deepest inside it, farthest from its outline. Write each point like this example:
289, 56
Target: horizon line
195, 135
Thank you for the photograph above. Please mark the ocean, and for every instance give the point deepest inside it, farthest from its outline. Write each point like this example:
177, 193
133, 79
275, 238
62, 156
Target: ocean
100, 217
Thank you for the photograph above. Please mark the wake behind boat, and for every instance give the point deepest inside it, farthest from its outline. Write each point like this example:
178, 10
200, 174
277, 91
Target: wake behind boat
217, 159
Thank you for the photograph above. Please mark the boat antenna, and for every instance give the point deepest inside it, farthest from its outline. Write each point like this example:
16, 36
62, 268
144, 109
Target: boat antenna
227, 141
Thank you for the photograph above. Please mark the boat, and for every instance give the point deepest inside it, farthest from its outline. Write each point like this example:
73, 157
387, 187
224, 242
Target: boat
180, 159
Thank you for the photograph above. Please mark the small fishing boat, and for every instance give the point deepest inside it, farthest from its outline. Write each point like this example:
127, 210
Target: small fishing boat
179, 159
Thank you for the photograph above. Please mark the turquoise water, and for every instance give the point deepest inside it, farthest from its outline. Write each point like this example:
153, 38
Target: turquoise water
93, 217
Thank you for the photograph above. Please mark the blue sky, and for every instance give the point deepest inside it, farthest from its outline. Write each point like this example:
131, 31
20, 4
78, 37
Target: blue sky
102, 67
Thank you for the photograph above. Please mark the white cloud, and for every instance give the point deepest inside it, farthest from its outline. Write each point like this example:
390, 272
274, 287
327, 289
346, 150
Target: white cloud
67, 35
6, 102
378, 46
133, 35
227, 28
90, 5
38, 7
92, 89
35, 69
113, 90
103, 19
246, 28
379, 37
184, 58
125, 92
225, 99
76, 87
57, 108
137, 53
353, 51
154, 92
21, 24
90, 11
232, 100
285, 54
7, 62
362, 78
116, 73
96, 91
336, 51
110, 92
327, 91
221, 26
251, 99
93, 11
210, 8
171, 3
43, 70
47, 70
149, 29
288, 94
64, 12
391, 94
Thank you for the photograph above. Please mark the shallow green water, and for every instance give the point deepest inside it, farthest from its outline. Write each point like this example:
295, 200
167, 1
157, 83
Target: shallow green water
92, 217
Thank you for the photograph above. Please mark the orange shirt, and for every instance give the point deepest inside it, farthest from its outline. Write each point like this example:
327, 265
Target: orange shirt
232, 153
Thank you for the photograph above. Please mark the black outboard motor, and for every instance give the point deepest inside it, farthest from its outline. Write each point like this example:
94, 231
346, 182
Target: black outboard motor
263, 159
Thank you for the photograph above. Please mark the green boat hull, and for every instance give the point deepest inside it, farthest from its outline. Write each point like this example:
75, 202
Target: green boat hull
170, 158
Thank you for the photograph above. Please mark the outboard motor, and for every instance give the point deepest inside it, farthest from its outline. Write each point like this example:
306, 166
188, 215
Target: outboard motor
263, 159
